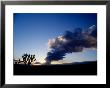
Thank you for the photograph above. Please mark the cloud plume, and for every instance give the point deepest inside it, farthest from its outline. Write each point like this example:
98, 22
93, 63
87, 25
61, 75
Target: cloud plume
71, 41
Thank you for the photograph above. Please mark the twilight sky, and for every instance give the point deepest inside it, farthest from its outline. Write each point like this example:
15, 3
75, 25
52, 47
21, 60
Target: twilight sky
33, 30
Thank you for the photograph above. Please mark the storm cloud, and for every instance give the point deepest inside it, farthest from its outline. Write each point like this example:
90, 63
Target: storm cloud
71, 41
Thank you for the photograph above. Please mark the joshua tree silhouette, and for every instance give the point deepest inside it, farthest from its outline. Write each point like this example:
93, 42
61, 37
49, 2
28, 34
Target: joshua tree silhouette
32, 58
28, 59
25, 58
29, 62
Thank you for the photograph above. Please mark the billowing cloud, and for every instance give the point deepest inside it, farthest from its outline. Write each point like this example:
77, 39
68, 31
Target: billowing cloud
71, 42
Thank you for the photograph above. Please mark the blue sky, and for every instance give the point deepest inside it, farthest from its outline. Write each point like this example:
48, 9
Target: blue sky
33, 30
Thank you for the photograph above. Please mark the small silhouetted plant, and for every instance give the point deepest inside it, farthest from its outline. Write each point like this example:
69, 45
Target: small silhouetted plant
29, 62
32, 58
16, 63
27, 58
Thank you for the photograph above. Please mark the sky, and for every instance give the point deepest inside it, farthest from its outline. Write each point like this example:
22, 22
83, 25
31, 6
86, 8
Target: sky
33, 30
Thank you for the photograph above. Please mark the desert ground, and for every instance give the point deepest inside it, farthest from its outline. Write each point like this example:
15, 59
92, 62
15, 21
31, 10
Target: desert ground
79, 68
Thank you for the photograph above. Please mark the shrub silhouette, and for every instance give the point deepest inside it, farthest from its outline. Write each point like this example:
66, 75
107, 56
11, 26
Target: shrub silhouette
28, 59
32, 58
25, 58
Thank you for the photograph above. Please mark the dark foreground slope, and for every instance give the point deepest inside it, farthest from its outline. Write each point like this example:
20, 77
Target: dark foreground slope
84, 68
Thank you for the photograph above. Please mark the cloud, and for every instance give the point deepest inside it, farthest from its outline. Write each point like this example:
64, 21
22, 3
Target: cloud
70, 42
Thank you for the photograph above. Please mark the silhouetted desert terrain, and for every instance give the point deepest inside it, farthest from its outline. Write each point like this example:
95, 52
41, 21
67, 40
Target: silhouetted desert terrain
79, 68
